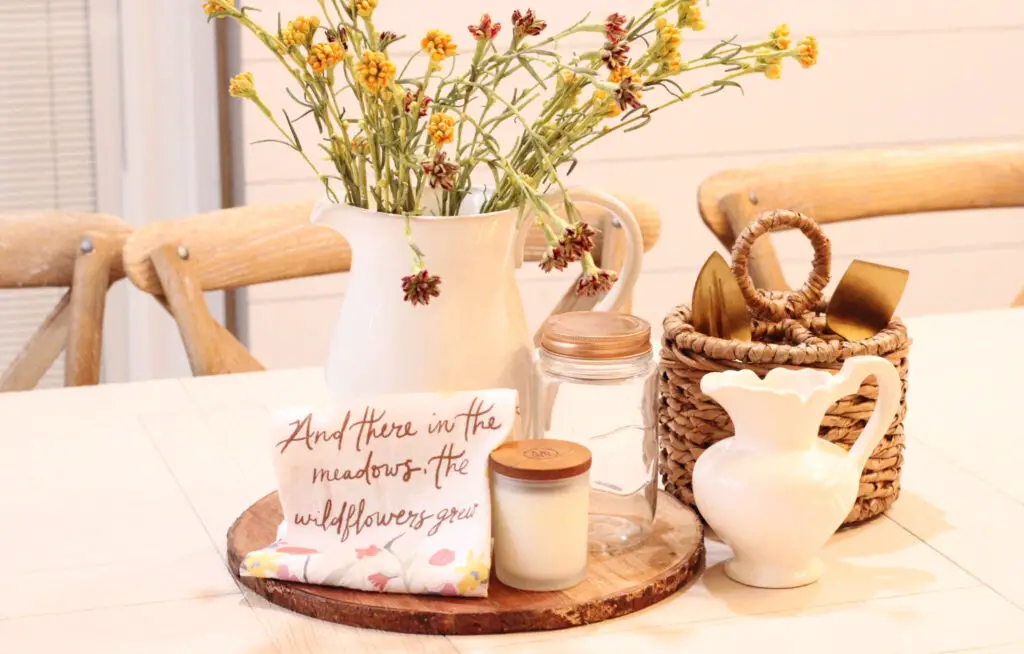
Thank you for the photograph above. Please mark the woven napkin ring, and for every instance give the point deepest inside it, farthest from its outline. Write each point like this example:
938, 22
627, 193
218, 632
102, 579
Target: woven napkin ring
778, 306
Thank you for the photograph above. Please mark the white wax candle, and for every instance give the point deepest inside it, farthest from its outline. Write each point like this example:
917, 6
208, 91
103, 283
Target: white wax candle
540, 531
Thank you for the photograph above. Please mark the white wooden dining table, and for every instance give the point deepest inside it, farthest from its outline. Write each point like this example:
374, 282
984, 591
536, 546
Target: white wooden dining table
115, 501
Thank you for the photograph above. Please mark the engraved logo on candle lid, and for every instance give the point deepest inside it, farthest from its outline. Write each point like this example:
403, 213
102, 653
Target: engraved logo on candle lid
540, 453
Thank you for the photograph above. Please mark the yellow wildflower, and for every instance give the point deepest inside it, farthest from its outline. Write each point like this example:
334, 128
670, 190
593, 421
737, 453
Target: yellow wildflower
606, 104
690, 16
781, 37
668, 34
324, 56
360, 145
667, 45
566, 79
365, 7
300, 31
621, 73
438, 45
474, 573
375, 71
242, 86
674, 61
441, 129
773, 70
808, 51
213, 9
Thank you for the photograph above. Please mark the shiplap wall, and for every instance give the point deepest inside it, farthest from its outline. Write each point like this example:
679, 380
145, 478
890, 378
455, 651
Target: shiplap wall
890, 73
47, 159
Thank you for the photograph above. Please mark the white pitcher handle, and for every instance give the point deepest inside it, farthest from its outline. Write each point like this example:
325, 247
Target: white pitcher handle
890, 391
634, 255
546, 391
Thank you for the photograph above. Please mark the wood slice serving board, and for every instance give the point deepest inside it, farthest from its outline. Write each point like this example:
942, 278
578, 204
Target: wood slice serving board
614, 586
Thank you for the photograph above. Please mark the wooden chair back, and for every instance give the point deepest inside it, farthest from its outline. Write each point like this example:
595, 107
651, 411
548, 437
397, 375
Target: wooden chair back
177, 260
861, 184
81, 251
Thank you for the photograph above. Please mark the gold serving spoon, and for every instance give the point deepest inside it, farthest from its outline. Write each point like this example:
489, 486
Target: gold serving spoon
718, 306
865, 300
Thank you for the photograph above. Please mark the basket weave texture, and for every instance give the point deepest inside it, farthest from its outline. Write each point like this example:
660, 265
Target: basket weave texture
788, 331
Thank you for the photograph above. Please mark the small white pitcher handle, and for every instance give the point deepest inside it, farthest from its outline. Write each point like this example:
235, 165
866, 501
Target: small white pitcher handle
890, 390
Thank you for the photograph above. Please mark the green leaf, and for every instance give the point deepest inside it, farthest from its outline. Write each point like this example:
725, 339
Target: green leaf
521, 212
274, 141
721, 85
496, 173
533, 73
718, 46
672, 88
297, 100
295, 135
645, 119
630, 113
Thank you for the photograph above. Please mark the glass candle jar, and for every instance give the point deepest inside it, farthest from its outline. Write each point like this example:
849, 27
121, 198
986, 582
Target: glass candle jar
539, 495
598, 387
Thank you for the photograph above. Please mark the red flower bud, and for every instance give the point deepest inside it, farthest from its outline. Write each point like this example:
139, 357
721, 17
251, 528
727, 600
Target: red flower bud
420, 287
410, 97
527, 24
614, 27
486, 29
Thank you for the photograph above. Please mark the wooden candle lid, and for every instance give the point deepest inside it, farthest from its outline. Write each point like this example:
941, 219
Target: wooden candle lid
541, 459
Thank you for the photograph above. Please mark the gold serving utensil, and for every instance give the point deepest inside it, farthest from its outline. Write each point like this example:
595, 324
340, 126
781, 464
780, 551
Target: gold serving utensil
719, 309
865, 300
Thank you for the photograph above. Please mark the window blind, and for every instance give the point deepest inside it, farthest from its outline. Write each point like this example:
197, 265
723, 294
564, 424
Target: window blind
46, 138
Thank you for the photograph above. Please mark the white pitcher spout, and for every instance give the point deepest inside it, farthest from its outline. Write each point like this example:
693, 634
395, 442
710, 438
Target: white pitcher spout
327, 213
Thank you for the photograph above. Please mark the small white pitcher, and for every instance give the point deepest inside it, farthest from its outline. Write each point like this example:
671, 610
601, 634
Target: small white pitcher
776, 492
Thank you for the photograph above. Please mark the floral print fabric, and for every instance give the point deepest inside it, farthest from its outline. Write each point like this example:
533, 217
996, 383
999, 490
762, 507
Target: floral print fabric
388, 494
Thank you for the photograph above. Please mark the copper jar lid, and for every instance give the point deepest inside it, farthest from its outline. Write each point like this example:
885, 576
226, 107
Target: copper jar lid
596, 335
541, 459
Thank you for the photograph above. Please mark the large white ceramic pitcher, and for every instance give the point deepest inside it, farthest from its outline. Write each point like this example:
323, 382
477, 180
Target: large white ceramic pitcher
475, 334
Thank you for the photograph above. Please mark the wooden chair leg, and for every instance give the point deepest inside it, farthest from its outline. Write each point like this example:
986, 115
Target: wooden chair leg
90, 282
211, 348
41, 351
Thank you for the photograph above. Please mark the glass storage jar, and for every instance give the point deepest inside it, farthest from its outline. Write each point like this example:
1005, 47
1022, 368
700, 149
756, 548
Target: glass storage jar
597, 387
539, 495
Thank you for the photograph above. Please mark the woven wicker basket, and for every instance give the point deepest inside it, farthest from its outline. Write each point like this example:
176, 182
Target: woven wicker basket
788, 331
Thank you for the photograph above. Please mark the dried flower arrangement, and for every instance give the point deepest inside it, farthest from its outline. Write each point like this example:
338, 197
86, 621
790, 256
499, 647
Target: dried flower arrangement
395, 144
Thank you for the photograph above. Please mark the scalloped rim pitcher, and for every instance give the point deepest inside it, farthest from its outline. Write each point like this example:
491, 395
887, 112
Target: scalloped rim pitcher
776, 492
